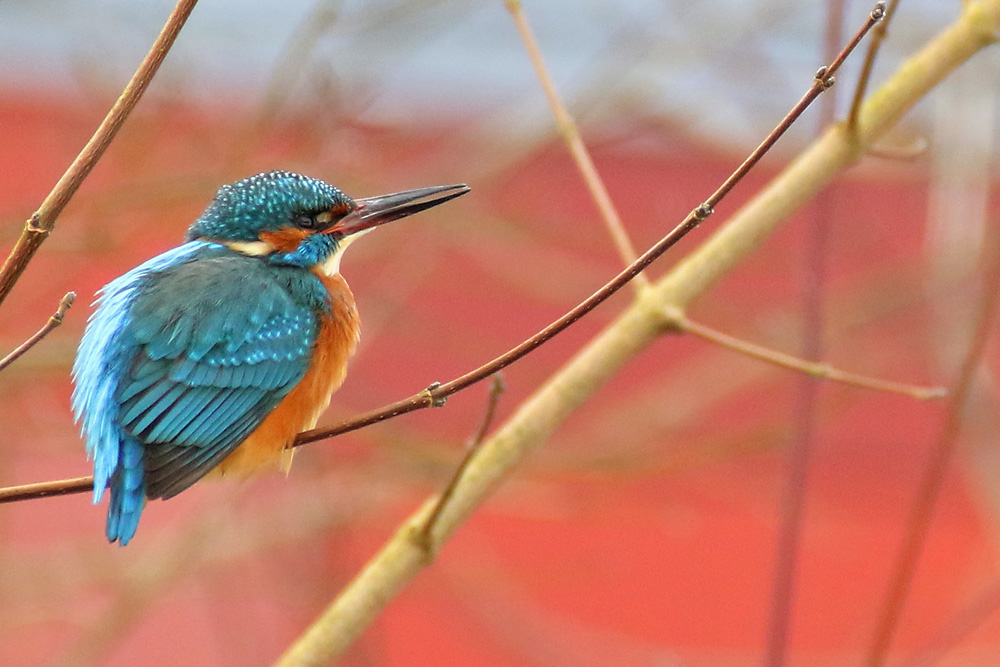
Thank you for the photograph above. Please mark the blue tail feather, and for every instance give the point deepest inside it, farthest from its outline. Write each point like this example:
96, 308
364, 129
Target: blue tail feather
128, 493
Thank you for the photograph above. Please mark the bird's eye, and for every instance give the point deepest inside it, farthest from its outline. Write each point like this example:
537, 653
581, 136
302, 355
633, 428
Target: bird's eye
305, 221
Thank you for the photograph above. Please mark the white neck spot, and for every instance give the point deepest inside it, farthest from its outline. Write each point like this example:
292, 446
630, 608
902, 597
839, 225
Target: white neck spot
252, 248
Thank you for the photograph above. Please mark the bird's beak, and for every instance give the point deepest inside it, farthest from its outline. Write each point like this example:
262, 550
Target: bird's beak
374, 211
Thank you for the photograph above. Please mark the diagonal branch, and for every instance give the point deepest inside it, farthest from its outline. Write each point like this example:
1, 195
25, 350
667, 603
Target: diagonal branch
54, 320
42, 221
922, 510
879, 34
816, 369
571, 135
426, 534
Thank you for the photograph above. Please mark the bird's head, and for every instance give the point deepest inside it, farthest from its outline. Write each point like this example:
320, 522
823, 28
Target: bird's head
291, 219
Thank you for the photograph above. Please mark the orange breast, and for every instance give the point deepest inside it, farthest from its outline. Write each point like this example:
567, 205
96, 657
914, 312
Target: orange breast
299, 410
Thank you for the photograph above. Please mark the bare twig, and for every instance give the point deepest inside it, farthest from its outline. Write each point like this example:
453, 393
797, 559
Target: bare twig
815, 369
962, 624
571, 134
54, 320
497, 388
937, 467
792, 506
425, 537
878, 36
42, 221
62, 487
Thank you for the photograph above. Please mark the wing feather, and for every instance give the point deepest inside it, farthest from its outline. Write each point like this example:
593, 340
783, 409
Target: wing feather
217, 344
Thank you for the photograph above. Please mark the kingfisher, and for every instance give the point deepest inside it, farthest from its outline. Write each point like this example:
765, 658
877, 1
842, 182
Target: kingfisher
213, 356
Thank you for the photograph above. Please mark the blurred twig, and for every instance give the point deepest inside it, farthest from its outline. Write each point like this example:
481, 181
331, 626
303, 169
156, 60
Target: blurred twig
54, 320
815, 369
571, 134
284, 75
937, 467
426, 534
962, 624
878, 36
42, 221
792, 506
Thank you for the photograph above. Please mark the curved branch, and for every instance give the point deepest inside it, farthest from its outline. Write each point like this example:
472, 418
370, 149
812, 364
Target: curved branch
54, 320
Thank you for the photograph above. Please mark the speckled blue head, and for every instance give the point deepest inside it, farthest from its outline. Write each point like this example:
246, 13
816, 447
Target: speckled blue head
266, 203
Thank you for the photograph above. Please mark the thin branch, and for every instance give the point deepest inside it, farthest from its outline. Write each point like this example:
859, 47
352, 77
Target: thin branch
497, 388
54, 320
910, 151
425, 537
42, 221
878, 36
815, 369
929, 491
62, 487
634, 330
793, 500
571, 134
968, 619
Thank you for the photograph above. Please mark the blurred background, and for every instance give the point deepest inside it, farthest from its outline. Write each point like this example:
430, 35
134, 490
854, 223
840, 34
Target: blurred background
645, 531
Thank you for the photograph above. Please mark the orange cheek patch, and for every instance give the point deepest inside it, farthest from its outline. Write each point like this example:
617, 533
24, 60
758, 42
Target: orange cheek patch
286, 239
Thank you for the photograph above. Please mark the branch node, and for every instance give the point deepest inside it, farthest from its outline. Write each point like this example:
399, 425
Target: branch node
879, 12
64, 304
33, 226
823, 79
420, 537
55, 319
672, 317
433, 399
702, 213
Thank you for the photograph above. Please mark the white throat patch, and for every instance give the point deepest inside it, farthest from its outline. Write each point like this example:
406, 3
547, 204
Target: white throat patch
331, 266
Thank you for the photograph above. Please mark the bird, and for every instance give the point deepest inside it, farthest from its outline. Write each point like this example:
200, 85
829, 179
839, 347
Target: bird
212, 356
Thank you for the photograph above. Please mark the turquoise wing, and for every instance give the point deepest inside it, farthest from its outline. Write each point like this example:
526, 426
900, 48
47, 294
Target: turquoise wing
217, 343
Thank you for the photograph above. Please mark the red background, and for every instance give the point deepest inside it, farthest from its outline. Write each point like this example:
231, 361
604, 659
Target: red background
644, 532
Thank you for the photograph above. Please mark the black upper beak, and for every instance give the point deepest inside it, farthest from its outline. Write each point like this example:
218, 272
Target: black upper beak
373, 211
